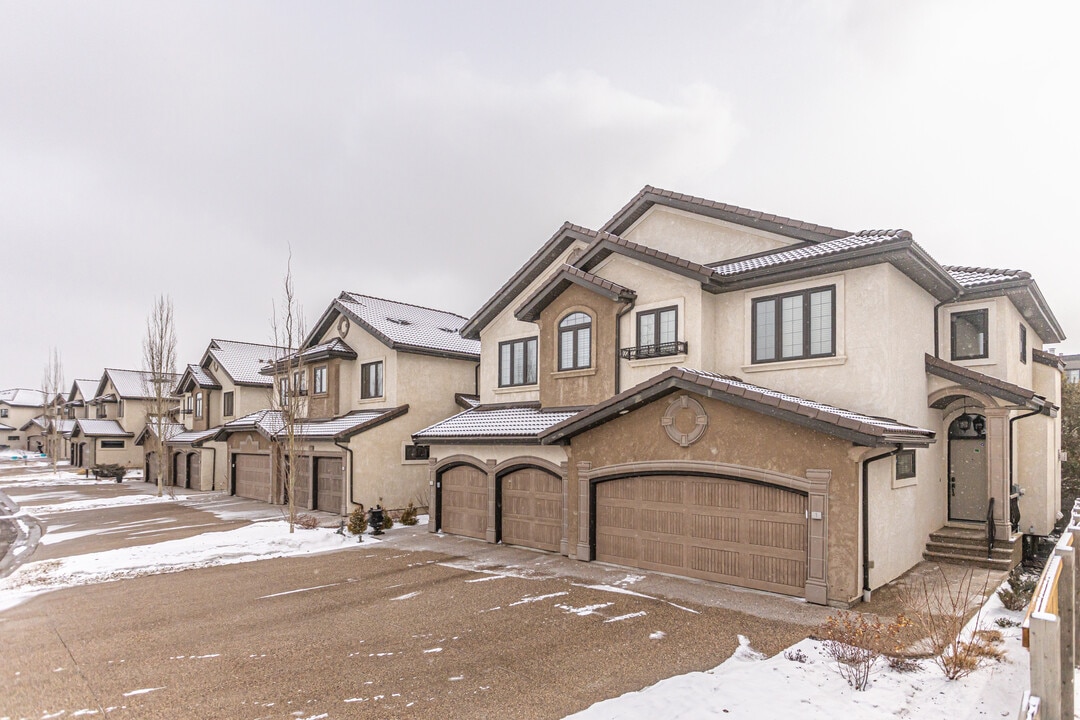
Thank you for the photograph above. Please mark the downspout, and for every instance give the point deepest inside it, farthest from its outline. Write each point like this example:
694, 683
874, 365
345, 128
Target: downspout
1012, 460
347, 449
618, 355
866, 518
937, 332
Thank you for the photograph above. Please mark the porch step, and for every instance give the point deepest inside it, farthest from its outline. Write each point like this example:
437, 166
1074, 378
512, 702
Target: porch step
966, 545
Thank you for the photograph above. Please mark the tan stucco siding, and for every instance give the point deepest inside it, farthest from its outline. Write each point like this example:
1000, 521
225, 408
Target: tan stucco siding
698, 238
588, 386
379, 473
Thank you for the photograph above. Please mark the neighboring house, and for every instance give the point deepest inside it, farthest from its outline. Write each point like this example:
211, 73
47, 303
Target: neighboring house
78, 398
1072, 368
713, 392
224, 385
18, 407
374, 371
117, 414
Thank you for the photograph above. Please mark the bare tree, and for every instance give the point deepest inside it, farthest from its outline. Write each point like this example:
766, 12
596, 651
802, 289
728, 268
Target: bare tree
52, 385
289, 394
159, 362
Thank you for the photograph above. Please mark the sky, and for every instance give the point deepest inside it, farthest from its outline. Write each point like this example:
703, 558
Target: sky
423, 151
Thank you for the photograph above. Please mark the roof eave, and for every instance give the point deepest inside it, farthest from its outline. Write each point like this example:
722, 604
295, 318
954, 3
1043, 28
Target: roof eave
556, 286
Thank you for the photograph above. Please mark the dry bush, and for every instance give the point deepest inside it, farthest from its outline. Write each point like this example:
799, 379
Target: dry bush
903, 664
940, 610
1021, 586
306, 521
795, 655
856, 641
408, 515
1004, 622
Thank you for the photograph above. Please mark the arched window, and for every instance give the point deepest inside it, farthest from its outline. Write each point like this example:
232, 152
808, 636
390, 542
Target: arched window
575, 341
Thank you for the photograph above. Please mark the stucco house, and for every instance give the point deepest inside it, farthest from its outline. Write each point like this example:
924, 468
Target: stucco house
714, 392
18, 407
372, 372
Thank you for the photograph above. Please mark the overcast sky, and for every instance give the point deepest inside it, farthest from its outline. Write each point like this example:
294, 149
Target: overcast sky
422, 151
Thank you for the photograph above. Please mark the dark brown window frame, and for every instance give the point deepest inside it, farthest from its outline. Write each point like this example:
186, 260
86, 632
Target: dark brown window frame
778, 325
198, 404
983, 313
901, 457
1023, 343
574, 331
524, 342
283, 390
655, 348
365, 378
227, 407
112, 444
322, 370
417, 452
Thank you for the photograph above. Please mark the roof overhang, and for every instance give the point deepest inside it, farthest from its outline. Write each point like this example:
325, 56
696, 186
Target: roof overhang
568, 276
979, 382
1028, 299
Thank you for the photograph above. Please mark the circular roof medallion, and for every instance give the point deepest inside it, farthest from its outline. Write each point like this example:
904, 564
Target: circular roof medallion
343, 326
685, 420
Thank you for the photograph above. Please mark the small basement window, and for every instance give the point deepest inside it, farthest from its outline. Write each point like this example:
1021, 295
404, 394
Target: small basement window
112, 444
417, 452
905, 464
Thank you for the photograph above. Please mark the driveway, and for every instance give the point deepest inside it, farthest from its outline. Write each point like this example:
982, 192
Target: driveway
419, 625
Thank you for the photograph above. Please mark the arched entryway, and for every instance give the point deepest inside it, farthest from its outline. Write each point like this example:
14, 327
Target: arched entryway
529, 508
461, 500
969, 489
194, 471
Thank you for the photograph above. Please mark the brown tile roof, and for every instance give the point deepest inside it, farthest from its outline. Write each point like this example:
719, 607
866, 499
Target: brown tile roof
1045, 358
649, 196
606, 243
969, 276
567, 275
855, 426
990, 385
516, 424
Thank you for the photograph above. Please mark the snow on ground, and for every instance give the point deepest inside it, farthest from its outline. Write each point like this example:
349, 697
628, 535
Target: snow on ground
100, 503
259, 541
13, 455
747, 685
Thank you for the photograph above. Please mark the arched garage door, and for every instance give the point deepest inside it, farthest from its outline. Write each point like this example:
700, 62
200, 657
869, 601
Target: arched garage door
729, 531
531, 509
179, 478
463, 498
194, 471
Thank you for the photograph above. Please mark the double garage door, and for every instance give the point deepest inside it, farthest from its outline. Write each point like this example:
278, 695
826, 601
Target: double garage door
730, 531
253, 480
530, 507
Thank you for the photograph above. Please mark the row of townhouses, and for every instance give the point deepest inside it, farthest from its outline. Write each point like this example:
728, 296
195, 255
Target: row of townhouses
694, 388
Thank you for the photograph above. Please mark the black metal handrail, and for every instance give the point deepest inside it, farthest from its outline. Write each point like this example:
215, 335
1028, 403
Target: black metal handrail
990, 529
642, 352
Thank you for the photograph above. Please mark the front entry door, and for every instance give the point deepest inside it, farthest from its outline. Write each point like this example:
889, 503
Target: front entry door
968, 491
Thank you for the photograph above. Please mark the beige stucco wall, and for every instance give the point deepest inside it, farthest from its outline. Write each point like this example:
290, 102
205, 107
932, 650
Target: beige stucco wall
554, 454
698, 238
1038, 469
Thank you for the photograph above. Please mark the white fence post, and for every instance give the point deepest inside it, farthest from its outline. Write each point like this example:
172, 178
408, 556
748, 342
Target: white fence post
1046, 663
1067, 616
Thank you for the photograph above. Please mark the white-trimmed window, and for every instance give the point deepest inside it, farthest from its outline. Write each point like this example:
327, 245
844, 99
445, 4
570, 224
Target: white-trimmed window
371, 380
517, 362
575, 341
198, 404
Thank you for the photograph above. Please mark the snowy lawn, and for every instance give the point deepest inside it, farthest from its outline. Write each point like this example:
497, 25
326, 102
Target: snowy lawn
747, 685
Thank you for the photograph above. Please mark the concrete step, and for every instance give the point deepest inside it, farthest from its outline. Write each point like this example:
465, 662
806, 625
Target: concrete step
993, 564
1003, 552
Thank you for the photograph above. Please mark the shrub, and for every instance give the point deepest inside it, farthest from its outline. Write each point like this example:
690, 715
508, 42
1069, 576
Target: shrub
795, 655
307, 521
387, 521
1004, 622
855, 642
358, 521
408, 515
1021, 586
109, 470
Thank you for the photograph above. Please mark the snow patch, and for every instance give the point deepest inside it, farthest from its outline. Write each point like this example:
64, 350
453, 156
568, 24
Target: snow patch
538, 598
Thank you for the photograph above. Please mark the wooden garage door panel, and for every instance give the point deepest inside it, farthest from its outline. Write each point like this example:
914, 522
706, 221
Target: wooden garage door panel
179, 478
532, 509
152, 463
464, 497
253, 476
302, 486
195, 471
330, 484
716, 529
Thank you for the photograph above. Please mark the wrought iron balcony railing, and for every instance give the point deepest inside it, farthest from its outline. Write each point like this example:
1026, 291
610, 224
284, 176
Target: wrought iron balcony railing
642, 352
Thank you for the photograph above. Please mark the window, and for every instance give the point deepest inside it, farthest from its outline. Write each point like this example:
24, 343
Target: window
1072, 376
371, 380
227, 404
187, 404
283, 390
1023, 344
319, 374
3, 412
905, 464
517, 362
198, 404
657, 333
13, 437
112, 444
299, 381
417, 452
794, 325
575, 341
969, 335
119, 408
101, 411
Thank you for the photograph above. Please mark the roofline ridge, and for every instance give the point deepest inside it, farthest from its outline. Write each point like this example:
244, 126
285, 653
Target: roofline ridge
243, 342
399, 302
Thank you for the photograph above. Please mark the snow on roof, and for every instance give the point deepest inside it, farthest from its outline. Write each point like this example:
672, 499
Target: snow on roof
269, 423
6, 428
524, 422
134, 384
975, 276
92, 427
193, 436
22, 397
862, 239
202, 377
171, 430
410, 326
242, 361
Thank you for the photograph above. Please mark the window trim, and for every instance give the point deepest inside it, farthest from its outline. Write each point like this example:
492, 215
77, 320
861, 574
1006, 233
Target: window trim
316, 372
419, 455
984, 313
574, 331
283, 390
199, 404
905, 475
524, 342
364, 380
227, 405
778, 325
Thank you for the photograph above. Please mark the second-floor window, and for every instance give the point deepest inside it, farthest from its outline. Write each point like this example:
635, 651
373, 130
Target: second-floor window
283, 391
794, 325
3, 412
575, 341
657, 332
517, 362
227, 404
299, 381
371, 380
198, 404
120, 408
969, 334
319, 377
1023, 344
101, 411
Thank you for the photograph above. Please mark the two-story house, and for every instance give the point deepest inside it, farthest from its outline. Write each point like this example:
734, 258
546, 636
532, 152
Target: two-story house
714, 392
369, 374
18, 407
117, 415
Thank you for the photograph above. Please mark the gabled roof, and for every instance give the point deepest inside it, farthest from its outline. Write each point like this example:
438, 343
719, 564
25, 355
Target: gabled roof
91, 427
857, 427
556, 245
499, 424
980, 382
605, 244
170, 430
6, 428
566, 276
269, 424
22, 397
196, 376
85, 388
195, 438
401, 326
38, 422
777, 224
333, 348
1018, 286
242, 361
133, 384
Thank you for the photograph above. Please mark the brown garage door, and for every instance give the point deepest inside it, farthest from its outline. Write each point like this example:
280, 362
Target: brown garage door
151, 467
302, 486
329, 484
532, 509
253, 476
717, 529
464, 496
179, 478
194, 470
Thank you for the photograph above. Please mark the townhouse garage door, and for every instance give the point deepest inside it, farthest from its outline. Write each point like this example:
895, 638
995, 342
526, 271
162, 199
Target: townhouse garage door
729, 531
329, 484
463, 498
531, 509
252, 476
